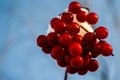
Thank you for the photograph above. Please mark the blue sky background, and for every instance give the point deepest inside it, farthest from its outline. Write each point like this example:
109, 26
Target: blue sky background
21, 21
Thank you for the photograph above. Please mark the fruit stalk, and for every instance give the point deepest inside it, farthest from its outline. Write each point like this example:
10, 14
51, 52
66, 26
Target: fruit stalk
66, 75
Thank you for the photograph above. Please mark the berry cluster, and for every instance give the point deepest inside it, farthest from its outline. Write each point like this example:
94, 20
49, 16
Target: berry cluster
68, 47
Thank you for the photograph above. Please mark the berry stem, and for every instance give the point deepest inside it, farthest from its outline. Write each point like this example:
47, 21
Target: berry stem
66, 75
84, 28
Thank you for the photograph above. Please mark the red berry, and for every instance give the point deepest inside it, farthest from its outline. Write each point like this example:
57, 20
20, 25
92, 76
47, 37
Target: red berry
65, 39
92, 18
76, 61
52, 38
106, 49
96, 50
57, 52
74, 7
81, 16
42, 41
82, 70
86, 59
60, 27
70, 69
54, 22
46, 49
67, 17
77, 38
67, 58
89, 39
75, 49
93, 66
101, 32
73, 28
61, 62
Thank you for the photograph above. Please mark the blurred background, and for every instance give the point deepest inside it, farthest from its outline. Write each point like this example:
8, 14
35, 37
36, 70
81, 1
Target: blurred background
22, 21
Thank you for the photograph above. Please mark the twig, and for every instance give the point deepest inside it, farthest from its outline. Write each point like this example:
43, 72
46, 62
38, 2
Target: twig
66, 75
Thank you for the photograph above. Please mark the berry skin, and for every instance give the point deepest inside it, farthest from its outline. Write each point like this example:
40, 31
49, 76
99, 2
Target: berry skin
106, 49
76, 61
101, 32
61, 62
82, 70
60, 27
67, 58
67, 17
77, 38
89, 39
74, 7
75, 49
93, 66
54, 22
46, 50
57, 52
65, 39
86, 59
52, 38
81, 16
96, 51
73, 28
70, 69
42, 41
92, 18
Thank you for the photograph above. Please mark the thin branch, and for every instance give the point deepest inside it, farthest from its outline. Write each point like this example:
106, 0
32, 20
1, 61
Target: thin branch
66, 75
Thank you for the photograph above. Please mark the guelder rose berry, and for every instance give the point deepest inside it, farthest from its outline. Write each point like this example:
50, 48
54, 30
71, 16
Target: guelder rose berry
81, 16
74, 7
93, 66
92, 18
76, 61
73, 28
57, 52
65, 39
101, 32
67, 17
75, 49
60, 27
106, 49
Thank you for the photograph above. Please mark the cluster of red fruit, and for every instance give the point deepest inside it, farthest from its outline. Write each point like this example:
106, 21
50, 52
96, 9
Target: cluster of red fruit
71, 50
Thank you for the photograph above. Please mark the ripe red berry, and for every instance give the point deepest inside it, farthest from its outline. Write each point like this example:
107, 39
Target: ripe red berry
77, 38
57, 52
46, 50
81, 16
70, 69
106, 49
54, 22
101, 32
89, 39
82, 70
67, 58
52, 38
73, 28
93, 66
74, 7
65, 39
61, 62
42, 41
60, 27
86, 59
76, 61
75, 49
67, 17
96, 51
92, 18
